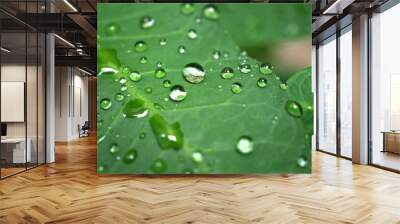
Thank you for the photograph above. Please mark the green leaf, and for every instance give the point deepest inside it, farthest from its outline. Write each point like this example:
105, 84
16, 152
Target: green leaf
200, 133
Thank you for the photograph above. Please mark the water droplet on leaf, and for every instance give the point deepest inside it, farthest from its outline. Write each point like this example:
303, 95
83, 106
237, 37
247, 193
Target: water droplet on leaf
159, 166
119, 97
211, 12
105, 104
163, 42
168, 136
130, 156
262, 82
181, 49
244, 145
143, 60
167, 83
244, 68
140, 46
135, 109
266, 68
192, 34
187, 8
135, 76
112, 29
236, 88
160, 73
197, 157
302, 161
294, 108
148, 90
147, 22
177, 93
194, 73
114, 149
227, 73
216, 54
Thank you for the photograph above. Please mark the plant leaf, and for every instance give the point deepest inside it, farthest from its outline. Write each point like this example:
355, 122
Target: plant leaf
211, 119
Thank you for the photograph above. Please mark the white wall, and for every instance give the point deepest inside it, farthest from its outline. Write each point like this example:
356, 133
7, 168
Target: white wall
71, 94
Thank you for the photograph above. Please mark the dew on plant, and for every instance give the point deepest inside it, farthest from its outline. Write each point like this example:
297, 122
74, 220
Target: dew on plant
194, 73
143, 60
159, 166
130, 156
216, 54
187, 8
135, 76
266, 68
302, 161
283, 86
177, 93
122, 80
192, 34
119, 97
244, 145
105, 104
135, 109
112, 29
101, 169
142, 135
147, 22
124, 87
236, 88
244, 68
159, 73
168, 136
197, 157
262, 82
114, 149
227, 73
140, 46
211, 12
148, 90
126, 70
294, 108
167, 83
181, 49
163, 41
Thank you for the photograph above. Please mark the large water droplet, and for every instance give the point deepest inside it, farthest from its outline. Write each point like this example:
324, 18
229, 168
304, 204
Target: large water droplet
163, 41
294, 108
227, 73
114, 149
194, 73
167, 135
197, 157
266, 68
181, 49
105, 104
112, 29
236, 88
167, 83
177, 93
135, 109
140, 46
147, 22
135, 76
262, 82
211, 12
187, 8
119, 97
159, 73
244, 68
159, 166
302, 161
130, 156
192, 34
244, 145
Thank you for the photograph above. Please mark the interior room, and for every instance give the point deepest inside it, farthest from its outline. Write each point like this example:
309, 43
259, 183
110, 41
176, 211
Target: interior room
50, 124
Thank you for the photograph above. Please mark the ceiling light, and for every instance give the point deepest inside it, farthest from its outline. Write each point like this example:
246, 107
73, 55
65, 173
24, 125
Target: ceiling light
65, 41
70, 5
5, 50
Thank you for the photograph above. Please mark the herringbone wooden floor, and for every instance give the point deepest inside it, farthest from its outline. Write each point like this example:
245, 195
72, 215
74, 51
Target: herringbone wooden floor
70, 191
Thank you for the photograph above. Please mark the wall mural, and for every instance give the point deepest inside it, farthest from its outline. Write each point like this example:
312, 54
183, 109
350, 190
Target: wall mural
204, 88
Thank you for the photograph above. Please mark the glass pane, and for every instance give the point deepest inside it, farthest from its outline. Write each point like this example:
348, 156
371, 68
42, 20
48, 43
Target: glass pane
346, 93
385, 89
327, 96
31, 97
41, 98
13, 86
